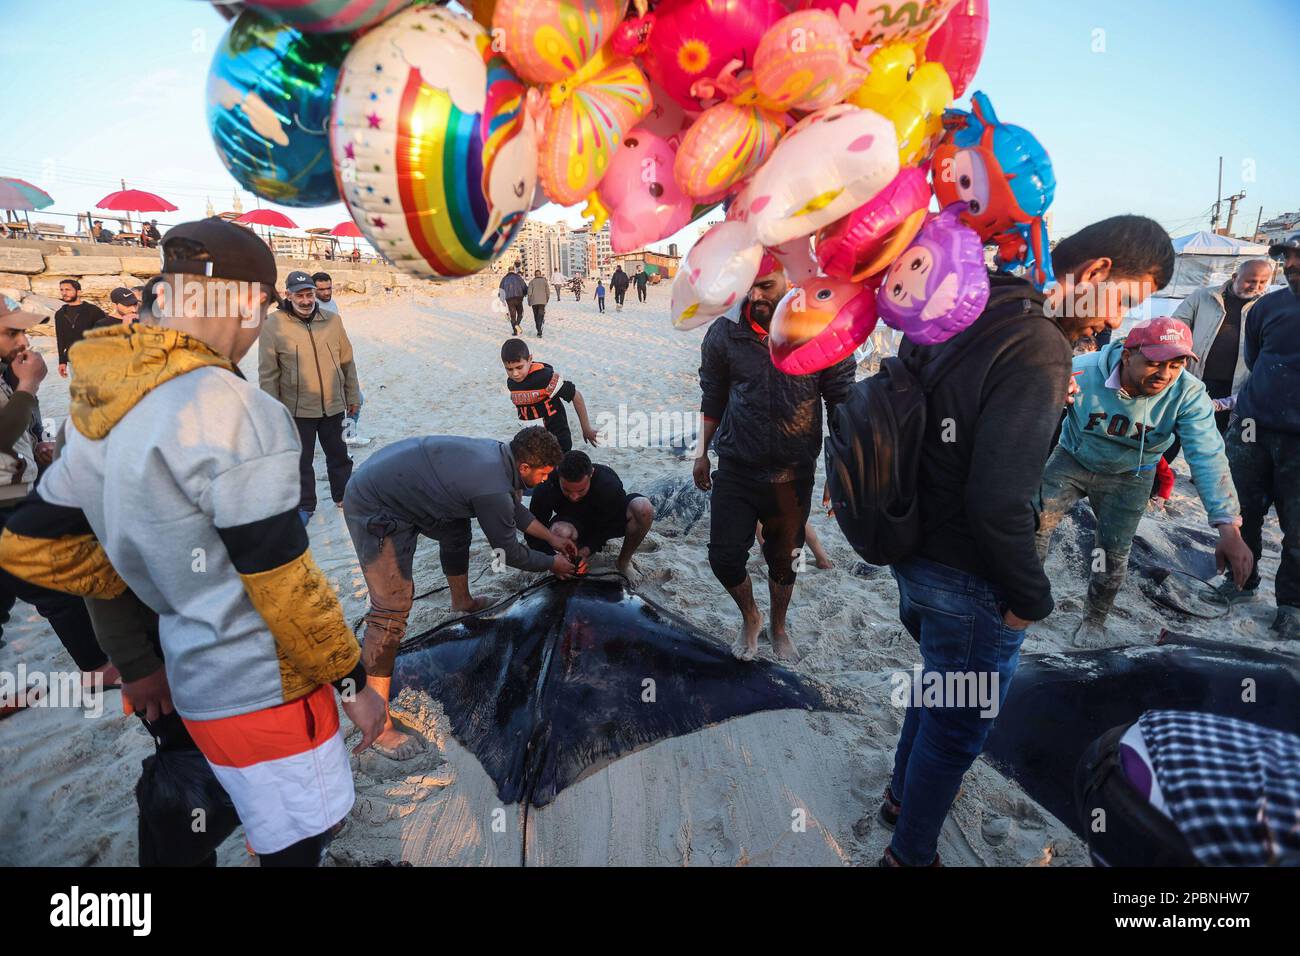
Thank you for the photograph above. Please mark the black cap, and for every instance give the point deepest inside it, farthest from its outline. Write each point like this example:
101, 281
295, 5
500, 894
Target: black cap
219, 249
123, 296
298, 281
1279, 248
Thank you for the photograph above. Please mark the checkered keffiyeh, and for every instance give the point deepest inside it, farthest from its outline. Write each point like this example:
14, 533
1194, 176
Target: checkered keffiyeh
1231, 787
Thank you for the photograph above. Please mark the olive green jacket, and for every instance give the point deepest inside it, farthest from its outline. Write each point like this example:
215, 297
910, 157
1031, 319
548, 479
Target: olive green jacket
308, 365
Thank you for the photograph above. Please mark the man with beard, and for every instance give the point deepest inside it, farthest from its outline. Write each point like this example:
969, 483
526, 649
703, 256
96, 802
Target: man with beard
1133, 399
73, 320
1216, 317
1264, 440
768, 428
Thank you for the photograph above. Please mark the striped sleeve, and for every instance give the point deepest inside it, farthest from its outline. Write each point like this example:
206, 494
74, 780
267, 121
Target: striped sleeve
54, 546
279, 575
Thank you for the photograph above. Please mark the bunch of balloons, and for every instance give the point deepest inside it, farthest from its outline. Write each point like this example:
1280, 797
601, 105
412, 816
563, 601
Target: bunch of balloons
822, 125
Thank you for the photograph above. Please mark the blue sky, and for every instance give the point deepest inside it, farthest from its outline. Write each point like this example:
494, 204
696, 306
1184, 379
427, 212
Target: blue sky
1135, 100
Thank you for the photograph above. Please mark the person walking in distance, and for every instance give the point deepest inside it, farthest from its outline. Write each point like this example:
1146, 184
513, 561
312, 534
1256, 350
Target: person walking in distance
513, 289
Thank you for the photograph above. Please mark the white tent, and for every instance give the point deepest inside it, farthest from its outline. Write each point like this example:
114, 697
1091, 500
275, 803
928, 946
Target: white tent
1206, 259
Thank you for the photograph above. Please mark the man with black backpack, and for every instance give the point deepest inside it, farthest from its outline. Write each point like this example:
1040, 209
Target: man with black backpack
962, 431
769, 435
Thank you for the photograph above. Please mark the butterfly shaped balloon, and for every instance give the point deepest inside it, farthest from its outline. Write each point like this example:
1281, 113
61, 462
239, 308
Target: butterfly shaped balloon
594, 96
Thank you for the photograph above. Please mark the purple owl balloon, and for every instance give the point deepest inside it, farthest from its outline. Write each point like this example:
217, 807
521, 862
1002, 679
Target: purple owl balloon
939, 285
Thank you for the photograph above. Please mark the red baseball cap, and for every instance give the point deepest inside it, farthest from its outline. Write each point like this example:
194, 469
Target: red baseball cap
1161, 339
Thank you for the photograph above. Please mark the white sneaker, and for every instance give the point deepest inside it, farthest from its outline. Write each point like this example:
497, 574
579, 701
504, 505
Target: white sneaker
356, 441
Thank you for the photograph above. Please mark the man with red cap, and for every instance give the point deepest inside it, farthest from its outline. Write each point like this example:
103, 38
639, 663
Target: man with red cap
1133, 400
768, 428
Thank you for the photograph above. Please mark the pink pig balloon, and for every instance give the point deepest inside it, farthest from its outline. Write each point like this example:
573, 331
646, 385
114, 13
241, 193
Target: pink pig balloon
959, 42
643, 201
820, 323
939, 285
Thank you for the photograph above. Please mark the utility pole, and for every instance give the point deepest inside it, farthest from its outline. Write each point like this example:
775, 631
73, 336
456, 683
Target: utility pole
1218, 200
1254, 237
1232, 210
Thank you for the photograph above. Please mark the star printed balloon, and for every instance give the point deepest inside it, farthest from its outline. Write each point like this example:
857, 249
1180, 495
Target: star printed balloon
435, 155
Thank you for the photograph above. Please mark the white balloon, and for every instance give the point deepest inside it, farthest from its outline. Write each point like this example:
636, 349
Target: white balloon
715, 275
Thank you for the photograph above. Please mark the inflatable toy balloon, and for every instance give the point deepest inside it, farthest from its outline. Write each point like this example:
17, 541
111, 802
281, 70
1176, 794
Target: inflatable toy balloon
873, 23
820, 323
725, 145
665, 118
329, 16
436, 158
585, 118
684, 41
912, 95
795, 259
959, 42
269, 93
939, 285
547, 42
1005, 177
639, 195
482, 11
828, 164
866, 240
805, 60
715, 275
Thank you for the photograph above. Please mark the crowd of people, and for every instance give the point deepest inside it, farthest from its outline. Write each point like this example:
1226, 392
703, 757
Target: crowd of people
514, 290
1041, 404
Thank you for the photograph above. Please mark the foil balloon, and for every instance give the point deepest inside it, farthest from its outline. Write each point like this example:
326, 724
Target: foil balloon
912, 94
873, 23
795, 258
435, 155
585, 117
329, 16
684, 41
827, 165
805, 60
868, 239
715, 275
723, 146
665, 118
549, 42
269, 92
1005, 177
959, 42
939, 285
638, 194
819, 323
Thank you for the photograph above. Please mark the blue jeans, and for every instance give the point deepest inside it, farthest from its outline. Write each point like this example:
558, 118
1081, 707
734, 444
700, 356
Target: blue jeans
957, 619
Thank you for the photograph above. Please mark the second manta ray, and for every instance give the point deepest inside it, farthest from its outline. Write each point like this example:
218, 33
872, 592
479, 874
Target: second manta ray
568, 676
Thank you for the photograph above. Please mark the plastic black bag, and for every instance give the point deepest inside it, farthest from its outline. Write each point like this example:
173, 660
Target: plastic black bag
175, 782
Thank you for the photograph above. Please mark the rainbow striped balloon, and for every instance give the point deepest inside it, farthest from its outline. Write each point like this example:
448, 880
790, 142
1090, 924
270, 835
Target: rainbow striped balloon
329, 16
435, 156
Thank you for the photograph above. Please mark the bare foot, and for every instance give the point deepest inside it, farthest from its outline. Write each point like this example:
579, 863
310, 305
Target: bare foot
398, 745
630, 571
782, 645
746, 646
474, 604
1091, 632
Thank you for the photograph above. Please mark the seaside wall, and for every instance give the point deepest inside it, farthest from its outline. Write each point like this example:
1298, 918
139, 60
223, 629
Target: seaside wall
31, 270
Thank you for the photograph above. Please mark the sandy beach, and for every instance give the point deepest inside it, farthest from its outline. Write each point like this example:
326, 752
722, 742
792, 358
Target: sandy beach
429, 364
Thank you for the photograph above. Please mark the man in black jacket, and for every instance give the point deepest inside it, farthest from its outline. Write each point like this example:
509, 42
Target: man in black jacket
976, 582
74, 319
619, 283
768, 429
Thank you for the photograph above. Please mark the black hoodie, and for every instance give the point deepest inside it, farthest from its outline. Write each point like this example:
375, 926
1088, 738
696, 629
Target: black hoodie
988, 434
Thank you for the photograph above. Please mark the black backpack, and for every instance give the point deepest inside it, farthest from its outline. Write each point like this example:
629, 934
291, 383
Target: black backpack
873, 451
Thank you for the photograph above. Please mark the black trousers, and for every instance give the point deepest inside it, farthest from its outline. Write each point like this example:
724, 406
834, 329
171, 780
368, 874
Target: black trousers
337, 463
516, 310
618, 295
737, 505
539, 317
66, 613
640, 292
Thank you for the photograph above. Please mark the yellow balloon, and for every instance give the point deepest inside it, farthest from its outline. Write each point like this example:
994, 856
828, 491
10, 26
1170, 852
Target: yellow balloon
911, 93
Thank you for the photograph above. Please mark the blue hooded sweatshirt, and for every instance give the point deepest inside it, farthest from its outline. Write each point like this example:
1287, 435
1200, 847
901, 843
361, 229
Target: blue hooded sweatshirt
1109, 433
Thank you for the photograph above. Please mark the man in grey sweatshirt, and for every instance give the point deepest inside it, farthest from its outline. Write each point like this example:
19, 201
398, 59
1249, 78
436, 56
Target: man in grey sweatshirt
432, 486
